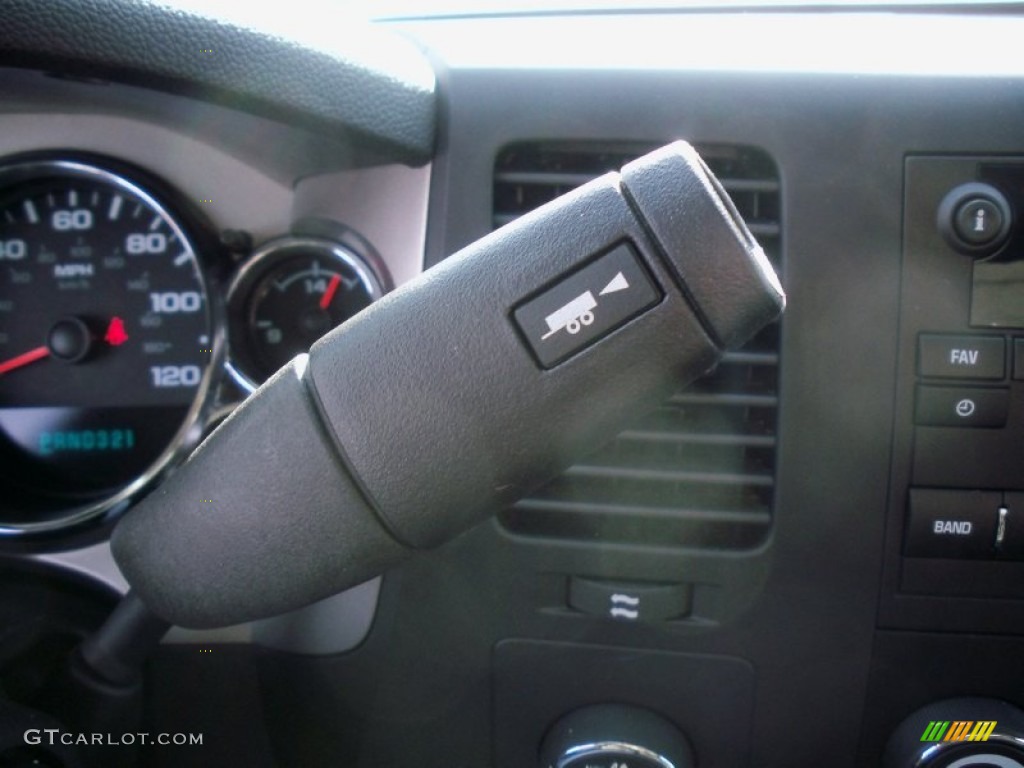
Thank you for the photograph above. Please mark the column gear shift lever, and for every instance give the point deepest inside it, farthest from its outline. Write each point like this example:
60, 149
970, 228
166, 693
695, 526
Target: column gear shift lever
454, 396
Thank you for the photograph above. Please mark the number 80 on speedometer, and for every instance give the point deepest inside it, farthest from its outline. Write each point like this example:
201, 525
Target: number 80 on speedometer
105, 329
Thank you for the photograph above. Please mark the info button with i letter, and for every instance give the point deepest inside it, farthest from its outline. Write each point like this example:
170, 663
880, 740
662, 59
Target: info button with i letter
979, 221
975, 219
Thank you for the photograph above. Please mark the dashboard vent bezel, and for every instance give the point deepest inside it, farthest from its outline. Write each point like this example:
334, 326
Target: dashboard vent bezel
698, 472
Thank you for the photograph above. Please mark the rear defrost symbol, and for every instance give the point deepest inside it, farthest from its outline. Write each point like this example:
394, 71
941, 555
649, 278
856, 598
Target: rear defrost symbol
580, 311
624, 607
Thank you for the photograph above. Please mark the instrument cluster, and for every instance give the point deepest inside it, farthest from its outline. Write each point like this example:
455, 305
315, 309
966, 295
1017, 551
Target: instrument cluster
128, 327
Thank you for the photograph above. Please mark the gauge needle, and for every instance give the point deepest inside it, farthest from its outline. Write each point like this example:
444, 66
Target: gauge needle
28, 357
332, 288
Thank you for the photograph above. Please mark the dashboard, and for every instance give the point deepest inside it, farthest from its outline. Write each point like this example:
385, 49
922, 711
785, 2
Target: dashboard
815, 547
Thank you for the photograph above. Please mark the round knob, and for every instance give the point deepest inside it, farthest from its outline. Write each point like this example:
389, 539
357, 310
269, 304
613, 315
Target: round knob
959, 733
615, 736
69, 340
975, 219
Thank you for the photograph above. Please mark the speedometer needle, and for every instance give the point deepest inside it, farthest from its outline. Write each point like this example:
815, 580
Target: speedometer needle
24, 359
332, 288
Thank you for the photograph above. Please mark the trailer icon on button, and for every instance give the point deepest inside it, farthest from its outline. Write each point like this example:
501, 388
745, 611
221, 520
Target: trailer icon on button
572, 316
579, 311
586, 305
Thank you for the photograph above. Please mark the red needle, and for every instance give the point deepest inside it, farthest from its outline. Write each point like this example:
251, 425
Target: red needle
29, 357
332, 288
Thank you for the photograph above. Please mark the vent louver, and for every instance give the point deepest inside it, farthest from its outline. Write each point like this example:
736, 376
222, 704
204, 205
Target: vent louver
698, 472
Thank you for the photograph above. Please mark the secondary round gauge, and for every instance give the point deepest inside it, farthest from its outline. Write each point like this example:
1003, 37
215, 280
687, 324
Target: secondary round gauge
292, 292
106, 341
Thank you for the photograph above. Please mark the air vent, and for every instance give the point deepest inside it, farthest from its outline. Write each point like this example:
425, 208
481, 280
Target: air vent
699, 472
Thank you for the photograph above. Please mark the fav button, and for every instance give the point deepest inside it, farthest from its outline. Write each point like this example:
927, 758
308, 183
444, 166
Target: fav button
961, 357
961, 406
952, 524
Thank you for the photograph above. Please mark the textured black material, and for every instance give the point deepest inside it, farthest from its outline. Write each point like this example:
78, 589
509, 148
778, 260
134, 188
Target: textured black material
699, 230
438, 408
385, 98
454, 419
260, 520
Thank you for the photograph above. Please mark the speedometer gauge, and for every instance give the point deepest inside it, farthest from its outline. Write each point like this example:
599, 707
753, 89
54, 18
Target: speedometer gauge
106, 340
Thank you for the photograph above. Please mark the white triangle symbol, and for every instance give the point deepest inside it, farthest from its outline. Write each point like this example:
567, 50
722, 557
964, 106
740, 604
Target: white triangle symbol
618, 283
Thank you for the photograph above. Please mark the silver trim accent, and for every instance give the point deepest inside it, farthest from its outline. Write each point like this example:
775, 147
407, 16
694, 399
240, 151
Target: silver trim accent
998, 760
190, 432
600, 748
935, 751
266, 257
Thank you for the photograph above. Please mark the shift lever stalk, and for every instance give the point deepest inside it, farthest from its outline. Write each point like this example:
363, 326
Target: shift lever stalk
455, 395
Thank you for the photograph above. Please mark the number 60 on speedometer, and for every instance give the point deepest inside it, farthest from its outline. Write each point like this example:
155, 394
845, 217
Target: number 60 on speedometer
106, 339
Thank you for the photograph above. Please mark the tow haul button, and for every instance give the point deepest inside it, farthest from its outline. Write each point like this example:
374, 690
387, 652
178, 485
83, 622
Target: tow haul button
586, 306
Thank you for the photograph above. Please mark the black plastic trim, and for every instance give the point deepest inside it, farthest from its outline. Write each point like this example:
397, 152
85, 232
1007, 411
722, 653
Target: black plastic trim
391, 111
